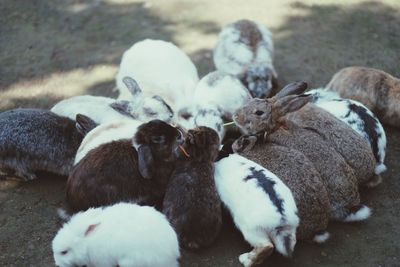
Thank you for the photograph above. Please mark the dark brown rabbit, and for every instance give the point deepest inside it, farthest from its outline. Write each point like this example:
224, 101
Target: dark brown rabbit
191, 202
116, 171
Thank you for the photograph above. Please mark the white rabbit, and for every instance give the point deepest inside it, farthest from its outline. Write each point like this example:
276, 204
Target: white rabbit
160, 68
262, 207
104, 109
360, 119
245, 49
124, 235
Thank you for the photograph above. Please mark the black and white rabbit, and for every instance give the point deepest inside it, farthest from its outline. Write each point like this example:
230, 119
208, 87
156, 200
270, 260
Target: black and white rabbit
34, 140
191, 202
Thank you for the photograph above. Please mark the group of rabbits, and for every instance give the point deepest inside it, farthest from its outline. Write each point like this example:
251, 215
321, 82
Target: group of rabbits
147, 172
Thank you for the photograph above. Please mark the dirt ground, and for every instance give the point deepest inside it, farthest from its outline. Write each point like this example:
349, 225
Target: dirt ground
53, 49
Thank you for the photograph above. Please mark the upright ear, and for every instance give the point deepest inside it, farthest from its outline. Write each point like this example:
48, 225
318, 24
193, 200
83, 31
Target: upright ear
291, 103
123, 107
145, 161
84, 124
132, 85
292, 89
91, 228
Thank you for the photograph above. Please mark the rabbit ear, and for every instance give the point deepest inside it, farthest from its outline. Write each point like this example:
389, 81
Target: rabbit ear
132, 85
90, 228
291, 103
123, 107
294, 88
84, 124
145, 161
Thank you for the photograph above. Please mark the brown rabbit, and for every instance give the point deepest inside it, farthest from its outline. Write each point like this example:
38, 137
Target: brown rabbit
305, 182
376, 89
191, 201
314, 143
267, 115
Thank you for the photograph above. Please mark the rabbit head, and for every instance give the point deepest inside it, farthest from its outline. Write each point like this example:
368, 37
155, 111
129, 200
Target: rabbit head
260, 80
68, 245
264, 115
156, 141
202, 144
143, 108
284, 239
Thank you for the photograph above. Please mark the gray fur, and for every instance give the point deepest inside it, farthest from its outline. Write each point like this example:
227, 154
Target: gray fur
36, 140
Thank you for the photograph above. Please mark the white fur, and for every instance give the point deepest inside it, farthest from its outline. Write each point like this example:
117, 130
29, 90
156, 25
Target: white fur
98, 108
160, 68
223, 91
321, 238
106, 133
361, 215
253, 212
233, 57
125, 234
340, 108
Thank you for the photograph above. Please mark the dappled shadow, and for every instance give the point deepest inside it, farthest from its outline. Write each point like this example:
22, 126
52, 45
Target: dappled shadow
43, 37
320, 39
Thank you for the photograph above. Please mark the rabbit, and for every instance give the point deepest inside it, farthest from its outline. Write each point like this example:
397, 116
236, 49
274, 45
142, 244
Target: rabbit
124, 235
360, 119
136, 169
299, 175
223, 91
104, 109
262, 207
34, 140
191, 201
106, 133
339, 176
245, 49
265, 115
377, 90
160, 68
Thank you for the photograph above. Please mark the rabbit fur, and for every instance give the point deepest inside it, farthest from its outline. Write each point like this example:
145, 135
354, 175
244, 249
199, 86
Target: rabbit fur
191, 201
104, 109
160, 68
124, 235
245, 49
377, 90
34, 140
262, 207
136, 169
359, 118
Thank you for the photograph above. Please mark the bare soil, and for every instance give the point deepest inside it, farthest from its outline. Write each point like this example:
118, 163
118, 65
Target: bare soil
53, 49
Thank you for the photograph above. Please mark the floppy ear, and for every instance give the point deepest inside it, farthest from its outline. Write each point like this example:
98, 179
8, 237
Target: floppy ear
123, 107
132, 85
292, 89
145, 161
84, 124
291, 103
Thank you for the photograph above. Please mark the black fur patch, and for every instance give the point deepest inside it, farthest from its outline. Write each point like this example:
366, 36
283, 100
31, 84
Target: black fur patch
268, 186
370, 126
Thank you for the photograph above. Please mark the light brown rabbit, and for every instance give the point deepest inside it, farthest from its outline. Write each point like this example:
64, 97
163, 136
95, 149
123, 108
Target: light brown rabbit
338, 176
306, 184
376, 89
267, 115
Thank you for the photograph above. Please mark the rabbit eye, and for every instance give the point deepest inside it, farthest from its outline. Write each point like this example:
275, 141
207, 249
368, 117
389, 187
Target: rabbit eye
259, 112
64, 252
158, 139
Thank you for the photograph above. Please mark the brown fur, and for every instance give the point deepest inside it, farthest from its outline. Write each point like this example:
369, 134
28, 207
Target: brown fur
376, 89
306, 184
249, 34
